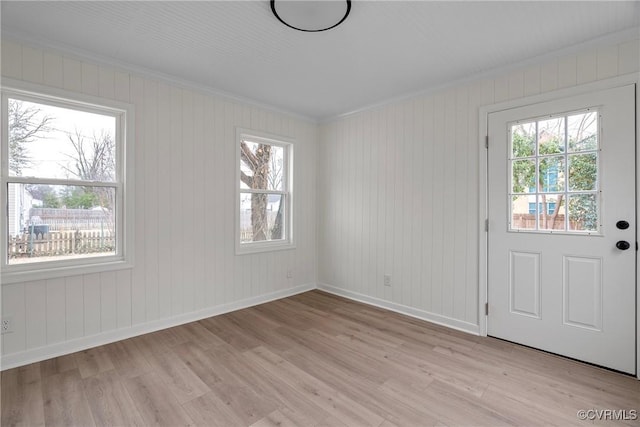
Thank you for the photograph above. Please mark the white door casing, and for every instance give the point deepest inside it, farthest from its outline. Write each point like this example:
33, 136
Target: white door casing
571, 293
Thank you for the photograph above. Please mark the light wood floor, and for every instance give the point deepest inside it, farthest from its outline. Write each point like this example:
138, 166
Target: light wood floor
310, 360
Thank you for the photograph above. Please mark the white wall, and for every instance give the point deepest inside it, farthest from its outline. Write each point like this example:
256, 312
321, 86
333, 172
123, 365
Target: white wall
397, 193
185, 264
398, 189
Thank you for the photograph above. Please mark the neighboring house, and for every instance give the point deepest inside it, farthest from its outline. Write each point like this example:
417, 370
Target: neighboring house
19, 203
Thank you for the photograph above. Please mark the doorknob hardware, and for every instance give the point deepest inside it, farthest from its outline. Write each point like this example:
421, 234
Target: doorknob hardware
622, 225
623, 245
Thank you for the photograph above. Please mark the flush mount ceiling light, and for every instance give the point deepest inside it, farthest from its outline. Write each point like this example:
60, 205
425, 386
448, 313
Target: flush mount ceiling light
311, 15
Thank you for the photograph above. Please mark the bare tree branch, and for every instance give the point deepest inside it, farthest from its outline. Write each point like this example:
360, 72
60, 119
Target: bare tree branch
26, 124
246, 179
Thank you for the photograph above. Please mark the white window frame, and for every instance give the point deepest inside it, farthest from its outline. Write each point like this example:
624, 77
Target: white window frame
124, 114
287, 192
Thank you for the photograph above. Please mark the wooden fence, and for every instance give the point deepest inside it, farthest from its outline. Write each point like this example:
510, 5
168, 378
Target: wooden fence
60, 243
71, 219
528, 222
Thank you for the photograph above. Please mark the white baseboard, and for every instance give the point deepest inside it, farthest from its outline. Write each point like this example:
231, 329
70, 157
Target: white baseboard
438, 319
58, 349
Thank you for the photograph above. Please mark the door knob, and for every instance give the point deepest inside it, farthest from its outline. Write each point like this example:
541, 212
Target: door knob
623, 245
622, 225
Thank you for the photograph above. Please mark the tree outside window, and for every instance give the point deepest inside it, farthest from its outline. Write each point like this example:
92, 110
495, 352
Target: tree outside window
63, 182
264, 216
554, 167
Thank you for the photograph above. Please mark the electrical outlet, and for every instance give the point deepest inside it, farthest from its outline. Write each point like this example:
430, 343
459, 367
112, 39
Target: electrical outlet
7, 324
289, 274
387, 280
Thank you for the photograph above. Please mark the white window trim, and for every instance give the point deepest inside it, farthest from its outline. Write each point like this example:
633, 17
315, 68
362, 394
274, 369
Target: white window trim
287, 144
124, 113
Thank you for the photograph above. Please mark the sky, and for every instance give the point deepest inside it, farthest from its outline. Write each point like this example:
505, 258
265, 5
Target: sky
52, 152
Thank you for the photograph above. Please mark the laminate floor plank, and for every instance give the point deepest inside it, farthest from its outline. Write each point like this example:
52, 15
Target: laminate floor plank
22, 403
275, 419
264, 334
93, 361
202, 363
127, 358
65, 403
155, 402
209, 410
313, 359
358, 388
58, 365
360, 364
226, 329
173, 371
339, 406
195, 332
109, 401
269, 387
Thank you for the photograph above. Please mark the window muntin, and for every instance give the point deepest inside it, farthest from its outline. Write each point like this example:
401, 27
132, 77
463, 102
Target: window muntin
63, 181
554, 184
264, 202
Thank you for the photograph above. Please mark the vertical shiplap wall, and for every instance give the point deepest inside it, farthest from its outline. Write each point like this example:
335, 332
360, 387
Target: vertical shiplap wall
398, 189
184, 214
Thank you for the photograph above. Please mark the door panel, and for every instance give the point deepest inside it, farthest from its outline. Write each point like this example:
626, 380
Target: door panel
561, 175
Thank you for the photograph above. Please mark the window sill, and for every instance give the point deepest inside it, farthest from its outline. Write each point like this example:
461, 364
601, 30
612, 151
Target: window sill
40, 272
253, 248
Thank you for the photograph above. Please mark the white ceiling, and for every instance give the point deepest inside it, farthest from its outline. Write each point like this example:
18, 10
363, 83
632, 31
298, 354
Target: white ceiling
383, 50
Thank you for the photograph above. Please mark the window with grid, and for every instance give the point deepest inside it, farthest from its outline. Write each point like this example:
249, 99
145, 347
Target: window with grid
64, 183
264, 202
554, 173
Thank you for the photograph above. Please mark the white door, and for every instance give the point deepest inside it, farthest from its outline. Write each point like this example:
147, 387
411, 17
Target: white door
562, 227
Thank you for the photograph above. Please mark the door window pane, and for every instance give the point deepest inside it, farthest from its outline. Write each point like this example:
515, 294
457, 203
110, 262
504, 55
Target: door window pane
583, 172
583, 212
551, 212
523, 140
523, 212
523, 176
551, 174
554, 168
551, 136
582, 131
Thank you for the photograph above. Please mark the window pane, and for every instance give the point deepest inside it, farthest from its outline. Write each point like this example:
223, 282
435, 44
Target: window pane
261, 166
551, 212
523, 139
523, 213
523, 176
261, 217
582, 131
551, 136
583, 212
61, 143
583, 172
551, 174
54, 222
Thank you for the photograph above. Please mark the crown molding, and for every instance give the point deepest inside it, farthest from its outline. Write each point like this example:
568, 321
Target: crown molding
622, 36
83, 55
102, 60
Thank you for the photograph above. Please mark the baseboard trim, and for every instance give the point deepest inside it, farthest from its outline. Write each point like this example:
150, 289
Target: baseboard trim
22, 358
438, 319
